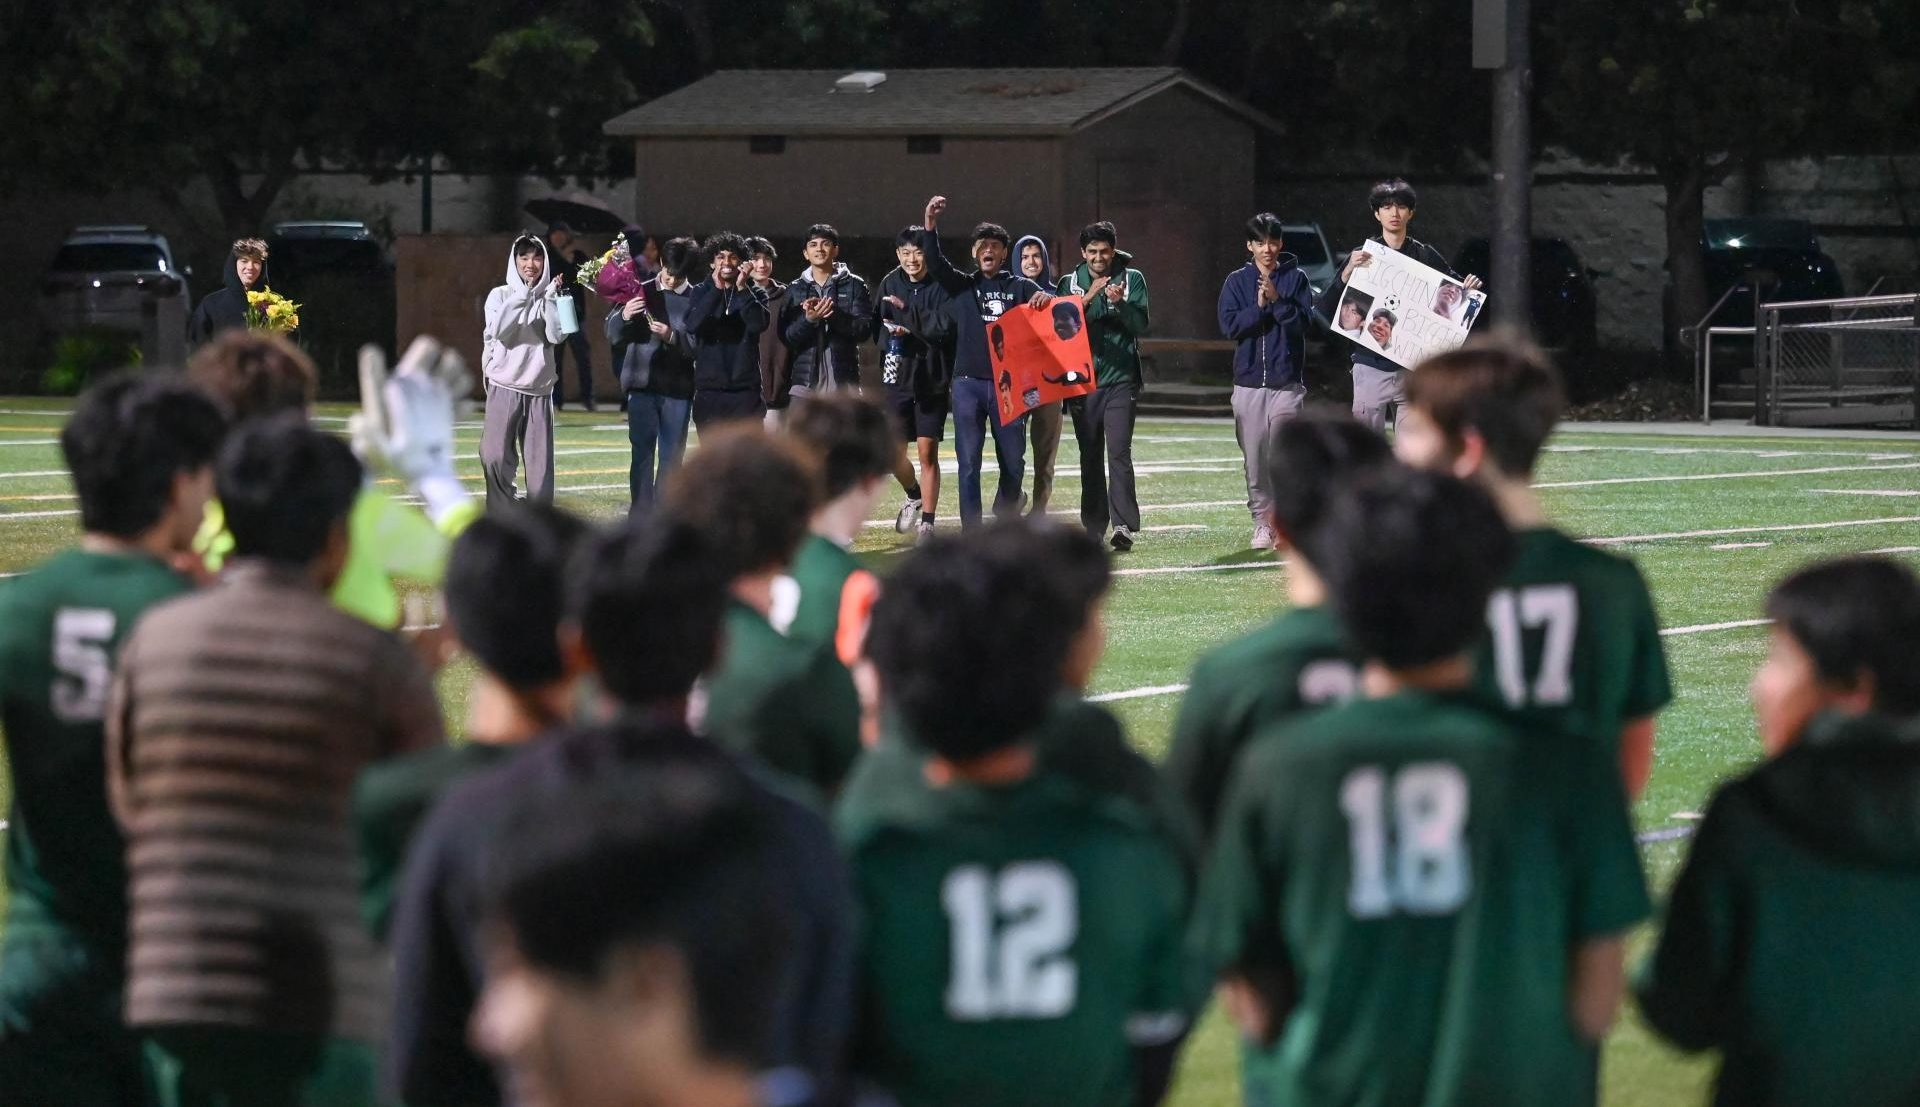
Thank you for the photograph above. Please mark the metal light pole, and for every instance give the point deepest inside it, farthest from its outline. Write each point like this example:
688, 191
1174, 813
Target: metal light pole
1501, 43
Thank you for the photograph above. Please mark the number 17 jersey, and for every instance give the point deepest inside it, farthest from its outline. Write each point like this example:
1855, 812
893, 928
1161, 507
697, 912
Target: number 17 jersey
1421, 871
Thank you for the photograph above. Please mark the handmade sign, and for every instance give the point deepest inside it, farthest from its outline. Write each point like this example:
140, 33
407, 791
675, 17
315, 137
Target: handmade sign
1039, 356
1403, 310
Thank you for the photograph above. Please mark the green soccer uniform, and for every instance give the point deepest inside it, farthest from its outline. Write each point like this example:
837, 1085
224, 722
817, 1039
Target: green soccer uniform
1079, 740
789, 704
821, 568
1297, 662
1422, 870
1789, 943
63, 961
390, 801
1020, 941
1573, 640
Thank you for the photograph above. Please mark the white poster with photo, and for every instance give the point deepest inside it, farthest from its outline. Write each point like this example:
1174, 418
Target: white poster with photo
1403, 310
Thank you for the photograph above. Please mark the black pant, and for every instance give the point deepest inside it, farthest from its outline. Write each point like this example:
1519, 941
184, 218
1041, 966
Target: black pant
714, 407
577, 342
1103, 425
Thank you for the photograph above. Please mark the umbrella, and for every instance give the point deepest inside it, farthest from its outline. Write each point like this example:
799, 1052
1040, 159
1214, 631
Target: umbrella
579, 211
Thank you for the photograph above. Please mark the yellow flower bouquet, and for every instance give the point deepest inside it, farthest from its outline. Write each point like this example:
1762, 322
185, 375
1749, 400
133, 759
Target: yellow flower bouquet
269, 311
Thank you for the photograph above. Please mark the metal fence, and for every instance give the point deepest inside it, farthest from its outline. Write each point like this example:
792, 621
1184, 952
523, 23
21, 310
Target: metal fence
1848, 362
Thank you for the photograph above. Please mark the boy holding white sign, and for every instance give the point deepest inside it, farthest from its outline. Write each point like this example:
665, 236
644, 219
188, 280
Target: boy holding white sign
1379, 383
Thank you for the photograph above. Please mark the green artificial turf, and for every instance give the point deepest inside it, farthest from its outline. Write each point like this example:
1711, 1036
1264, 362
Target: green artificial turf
1610, 485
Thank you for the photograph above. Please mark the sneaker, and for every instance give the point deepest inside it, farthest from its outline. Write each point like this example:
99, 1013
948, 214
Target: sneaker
1263, 537
926, 534
909, 511
1122, 539
1025, 502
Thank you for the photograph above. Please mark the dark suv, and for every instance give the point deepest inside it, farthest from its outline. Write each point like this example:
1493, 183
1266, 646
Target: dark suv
1564, 310
341, 276
1782, 255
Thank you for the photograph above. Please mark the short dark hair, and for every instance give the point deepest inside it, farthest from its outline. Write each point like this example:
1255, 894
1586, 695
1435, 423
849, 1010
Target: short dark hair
648, 838
824, 230
529, 244
1312, 458
284, 487
681, 256
504, 584
1502, 388
1410, 559
1084, 569
997, 597
126, 441
757, 246
1854, 616
1102, 231
254, 374
559, 226
751, 494
914, 235
854, 438
1392, 191
984, 231
1263, 226
725, 240
649, 598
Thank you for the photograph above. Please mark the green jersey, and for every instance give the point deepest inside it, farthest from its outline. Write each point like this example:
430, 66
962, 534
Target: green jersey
61, 627
390, 801
1574, 643
1295, 663
821, 568
1421, 870
790, 704
1789, 943
1019, 942
1081, 741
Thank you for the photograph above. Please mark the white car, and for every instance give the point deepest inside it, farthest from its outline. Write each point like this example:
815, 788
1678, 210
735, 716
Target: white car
1308, 243
103, 277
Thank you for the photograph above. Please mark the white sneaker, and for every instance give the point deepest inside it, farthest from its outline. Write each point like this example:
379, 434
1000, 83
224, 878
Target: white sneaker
926, 534
909, 511
1263, 537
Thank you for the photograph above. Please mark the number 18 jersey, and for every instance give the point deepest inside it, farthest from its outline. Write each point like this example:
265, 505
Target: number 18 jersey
1421, 871
1019, 941
61, 627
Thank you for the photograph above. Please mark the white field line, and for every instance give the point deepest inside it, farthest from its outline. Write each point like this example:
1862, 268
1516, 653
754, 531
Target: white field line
1896, 549
1896, 492
1625, 538
1165, 569
1176, 689
1740, 546
1724, 476
1671, 451
33, 442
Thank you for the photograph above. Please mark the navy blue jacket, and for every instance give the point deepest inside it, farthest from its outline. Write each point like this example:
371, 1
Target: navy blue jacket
961, 306
1271, 341
835, 341
1330, 299
726, 327
647, 363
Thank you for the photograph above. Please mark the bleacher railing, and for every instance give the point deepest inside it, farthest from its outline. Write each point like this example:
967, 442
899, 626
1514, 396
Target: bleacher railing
1845, 362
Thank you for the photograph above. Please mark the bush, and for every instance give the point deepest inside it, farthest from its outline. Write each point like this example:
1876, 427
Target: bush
81, 357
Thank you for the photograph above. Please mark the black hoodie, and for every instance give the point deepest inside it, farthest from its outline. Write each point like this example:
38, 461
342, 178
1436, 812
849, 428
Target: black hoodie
924, 369
963, 306
224, 310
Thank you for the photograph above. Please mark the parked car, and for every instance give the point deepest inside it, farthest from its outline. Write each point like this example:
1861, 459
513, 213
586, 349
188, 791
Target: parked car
341, 276
301, 249
1783, 255
104, 275
1308, 242
1564, 309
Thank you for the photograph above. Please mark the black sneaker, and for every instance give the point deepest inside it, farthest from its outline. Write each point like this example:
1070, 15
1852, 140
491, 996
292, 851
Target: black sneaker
1122, 539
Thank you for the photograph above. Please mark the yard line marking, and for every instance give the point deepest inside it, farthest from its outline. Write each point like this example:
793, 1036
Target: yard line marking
1896, 549
1867, 491
1138, 693
1173, 527
1740, 546
1664, 834
1622, 539
1569, 448
4, 516
1705, 628
33, 442
1198, 568
1725, 476
36, 473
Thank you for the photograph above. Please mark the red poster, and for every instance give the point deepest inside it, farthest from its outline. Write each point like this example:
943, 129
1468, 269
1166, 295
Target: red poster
1039, 356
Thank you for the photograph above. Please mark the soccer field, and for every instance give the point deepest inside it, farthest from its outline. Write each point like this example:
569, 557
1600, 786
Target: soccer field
1712, 520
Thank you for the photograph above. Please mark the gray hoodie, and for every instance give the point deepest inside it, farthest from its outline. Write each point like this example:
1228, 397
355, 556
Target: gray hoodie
1044, 280
522, 329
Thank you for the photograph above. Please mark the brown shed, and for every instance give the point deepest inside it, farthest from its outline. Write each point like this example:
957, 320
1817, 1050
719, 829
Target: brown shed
1167, 158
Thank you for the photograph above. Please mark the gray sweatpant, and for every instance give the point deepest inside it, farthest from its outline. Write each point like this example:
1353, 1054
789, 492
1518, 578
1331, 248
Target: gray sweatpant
517, 423
1376, 394
1257, 413
1043, 424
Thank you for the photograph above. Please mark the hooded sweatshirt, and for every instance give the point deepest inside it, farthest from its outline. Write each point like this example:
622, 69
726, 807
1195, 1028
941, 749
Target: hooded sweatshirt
1114, 330
964, 306
1046, 277
225, 309
918, 367
1789, 943
521, 330
1271, 341
827, 354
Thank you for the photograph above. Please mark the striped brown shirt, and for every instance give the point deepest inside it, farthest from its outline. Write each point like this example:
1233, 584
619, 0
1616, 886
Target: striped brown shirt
241, 717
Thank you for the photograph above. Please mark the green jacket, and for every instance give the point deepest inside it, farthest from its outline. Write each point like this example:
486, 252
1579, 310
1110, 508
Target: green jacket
1113, 330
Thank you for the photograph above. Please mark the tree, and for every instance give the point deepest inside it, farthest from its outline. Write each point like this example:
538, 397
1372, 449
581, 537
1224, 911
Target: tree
1693, 88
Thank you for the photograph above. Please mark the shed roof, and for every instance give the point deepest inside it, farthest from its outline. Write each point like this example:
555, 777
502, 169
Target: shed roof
968, 102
